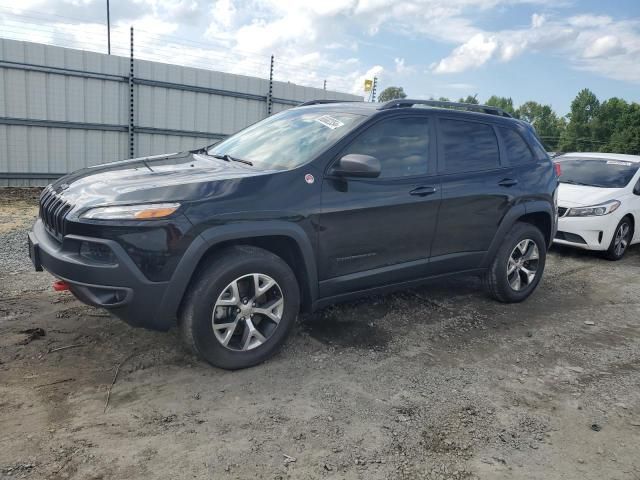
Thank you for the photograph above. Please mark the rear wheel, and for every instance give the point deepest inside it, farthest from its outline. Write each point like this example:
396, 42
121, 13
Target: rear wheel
621, 240
518, 265
241, 308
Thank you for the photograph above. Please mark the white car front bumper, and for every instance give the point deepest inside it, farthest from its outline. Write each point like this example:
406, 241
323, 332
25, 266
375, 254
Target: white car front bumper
590, 233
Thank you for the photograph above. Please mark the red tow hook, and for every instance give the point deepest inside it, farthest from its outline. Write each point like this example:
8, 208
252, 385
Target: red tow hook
60, 286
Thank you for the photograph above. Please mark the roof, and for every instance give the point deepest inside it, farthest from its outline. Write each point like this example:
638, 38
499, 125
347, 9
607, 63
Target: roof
602, 155
372, 108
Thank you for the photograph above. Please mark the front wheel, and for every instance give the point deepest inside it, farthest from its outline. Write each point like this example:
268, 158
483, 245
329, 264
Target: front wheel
620, 241
241, 308
518, 265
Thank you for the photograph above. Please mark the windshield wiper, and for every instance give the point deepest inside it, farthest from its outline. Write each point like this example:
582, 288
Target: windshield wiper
228, 158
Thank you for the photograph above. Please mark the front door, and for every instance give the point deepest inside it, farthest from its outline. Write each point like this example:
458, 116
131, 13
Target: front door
379, 231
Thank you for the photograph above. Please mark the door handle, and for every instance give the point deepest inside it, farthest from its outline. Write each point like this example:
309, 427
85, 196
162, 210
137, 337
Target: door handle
508, 182
423, 191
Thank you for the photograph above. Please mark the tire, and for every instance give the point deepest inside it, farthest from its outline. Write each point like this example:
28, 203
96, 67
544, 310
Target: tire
620, 241
213, 290
499, 282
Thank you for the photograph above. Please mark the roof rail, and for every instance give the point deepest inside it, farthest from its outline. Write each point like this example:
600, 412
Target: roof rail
402, 102
319, 102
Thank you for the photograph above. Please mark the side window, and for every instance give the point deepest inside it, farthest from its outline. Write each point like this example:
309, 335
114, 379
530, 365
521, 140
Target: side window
517, 149
468, 146
401, 145
539, 150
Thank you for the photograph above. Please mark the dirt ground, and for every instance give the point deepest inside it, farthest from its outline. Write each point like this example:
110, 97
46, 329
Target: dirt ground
438, 382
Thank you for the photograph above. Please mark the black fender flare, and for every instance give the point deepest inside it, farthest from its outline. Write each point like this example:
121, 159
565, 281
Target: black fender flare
213, 236
541, 206
510, 218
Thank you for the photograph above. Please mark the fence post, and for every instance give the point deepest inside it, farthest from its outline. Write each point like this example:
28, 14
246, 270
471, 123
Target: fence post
270, 94
131, 130
108, 29
373, 90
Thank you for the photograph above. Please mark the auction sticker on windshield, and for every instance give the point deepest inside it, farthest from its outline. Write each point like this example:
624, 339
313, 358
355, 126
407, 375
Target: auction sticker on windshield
329, 121
618, 162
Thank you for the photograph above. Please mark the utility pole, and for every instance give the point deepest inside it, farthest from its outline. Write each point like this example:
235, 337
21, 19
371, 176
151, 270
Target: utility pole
325, 84
373, 89
108, 29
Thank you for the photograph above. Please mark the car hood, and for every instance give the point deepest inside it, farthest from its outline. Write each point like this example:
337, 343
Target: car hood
160, 178
583, 195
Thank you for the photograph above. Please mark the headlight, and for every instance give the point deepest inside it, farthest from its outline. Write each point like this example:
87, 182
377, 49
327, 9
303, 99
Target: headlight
131, 212
595, 210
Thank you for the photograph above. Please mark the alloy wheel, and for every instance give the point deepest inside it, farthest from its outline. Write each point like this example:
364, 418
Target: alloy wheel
621, 239
247, 312
522, 265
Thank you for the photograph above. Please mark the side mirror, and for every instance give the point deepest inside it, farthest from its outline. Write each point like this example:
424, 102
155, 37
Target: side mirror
356, 165
636, 189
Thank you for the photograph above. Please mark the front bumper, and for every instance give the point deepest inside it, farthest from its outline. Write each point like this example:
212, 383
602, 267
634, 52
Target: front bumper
589, 233
118, 286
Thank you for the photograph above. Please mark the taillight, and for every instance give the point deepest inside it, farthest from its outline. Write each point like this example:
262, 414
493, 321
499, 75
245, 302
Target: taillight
558, 169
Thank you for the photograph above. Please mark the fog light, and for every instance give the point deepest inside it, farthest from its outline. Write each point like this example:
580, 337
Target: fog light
97, 252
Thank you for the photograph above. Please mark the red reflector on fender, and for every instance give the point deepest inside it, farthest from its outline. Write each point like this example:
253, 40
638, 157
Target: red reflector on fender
60, 286
558, 169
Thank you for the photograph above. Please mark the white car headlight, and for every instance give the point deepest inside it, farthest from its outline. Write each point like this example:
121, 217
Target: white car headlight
147, 211
594, 211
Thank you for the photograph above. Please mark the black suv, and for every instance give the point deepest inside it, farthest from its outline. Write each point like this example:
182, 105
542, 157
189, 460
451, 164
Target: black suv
312, 206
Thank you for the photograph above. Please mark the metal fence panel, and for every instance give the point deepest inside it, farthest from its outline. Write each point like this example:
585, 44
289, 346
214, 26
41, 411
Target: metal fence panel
63, 109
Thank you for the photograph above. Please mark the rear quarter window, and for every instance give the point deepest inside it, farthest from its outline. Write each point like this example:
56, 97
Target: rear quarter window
468, 146
516, 148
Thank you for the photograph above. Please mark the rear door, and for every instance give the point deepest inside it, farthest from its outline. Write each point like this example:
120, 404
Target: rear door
379, 231
477, 191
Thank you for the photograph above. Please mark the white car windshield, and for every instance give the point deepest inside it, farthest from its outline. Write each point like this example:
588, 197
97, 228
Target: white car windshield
288, 139
597, 172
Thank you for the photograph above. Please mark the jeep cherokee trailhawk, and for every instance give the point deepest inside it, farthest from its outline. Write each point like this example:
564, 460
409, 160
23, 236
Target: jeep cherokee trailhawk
311, 206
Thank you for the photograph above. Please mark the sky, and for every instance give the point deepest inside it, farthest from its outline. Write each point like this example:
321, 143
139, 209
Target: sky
542, 50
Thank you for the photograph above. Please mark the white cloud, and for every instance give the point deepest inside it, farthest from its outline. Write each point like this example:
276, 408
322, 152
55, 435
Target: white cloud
402, 68
471, 54
585, 41
606, 45
223, 14
314, 41
537, 20
589, 21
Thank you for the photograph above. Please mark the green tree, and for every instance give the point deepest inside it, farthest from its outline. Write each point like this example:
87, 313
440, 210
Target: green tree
546, 122
391, 93
504, 103
578, 136
470, 99
626, 137
609, 120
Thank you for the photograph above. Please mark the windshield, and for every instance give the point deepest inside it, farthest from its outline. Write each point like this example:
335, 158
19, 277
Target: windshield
288, 139
597, 172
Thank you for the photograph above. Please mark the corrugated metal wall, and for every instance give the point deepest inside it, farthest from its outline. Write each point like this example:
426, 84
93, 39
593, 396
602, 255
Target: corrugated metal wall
64, 109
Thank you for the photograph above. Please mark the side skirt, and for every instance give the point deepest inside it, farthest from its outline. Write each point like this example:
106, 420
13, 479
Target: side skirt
345, 297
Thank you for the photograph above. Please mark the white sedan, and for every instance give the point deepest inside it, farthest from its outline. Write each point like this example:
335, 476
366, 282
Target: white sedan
599, 202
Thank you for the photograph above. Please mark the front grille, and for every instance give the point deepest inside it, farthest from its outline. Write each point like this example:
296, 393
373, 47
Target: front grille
53, 212
562, 211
